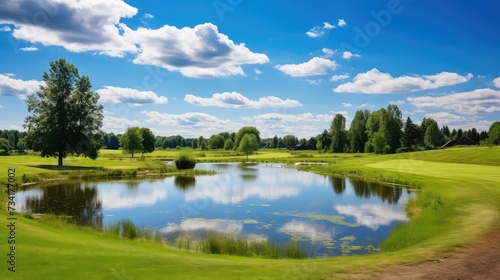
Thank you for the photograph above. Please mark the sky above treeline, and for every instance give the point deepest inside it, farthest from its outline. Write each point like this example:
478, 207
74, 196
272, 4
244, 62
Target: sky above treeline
197, 68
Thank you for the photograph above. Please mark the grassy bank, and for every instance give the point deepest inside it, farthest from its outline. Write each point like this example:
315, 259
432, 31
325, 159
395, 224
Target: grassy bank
458, 202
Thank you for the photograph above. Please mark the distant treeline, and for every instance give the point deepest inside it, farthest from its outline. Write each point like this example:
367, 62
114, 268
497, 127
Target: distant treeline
381, 131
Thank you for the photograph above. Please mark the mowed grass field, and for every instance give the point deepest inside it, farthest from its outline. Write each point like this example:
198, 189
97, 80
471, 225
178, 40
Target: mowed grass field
458, 201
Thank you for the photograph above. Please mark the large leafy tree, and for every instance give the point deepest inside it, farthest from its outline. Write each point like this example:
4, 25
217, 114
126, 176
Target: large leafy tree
65, 116
357, 131
248, 144
216, 142
433, 137
410, 134
131, 141
148, 141
338, 133
246, 130
494, 132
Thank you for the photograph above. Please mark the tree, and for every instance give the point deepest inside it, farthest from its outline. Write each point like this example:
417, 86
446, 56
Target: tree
357, 131
66, 117
433, 135
216, 142
393, 127
338, 133
5, 146
248, 144
410, 134
290, 141
311, 143
494, 132
379, 142
21, 145
204, 146
195, 144
131, 141
246, 130
325, 139
148, 141
228, 144
275, 141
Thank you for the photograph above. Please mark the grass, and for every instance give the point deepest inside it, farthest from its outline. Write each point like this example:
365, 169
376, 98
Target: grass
458, 201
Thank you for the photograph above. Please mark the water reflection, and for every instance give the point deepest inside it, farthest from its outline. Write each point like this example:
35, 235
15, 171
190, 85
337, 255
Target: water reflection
79, 202
364, 189
372, 215
184, 183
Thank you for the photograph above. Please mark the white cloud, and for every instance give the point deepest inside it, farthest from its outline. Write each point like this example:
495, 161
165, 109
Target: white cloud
195, 224
315, 66
148, 16
314, 232
364, 105
116, 124
146, 195
77, 26
496, 82
377, 82
19, 88
336, 78
398, 102
111, 94
1, 106
347, 105
343, 113
269, 118
191, 124
238, 100
457, 121
372, 215
470, 103
5, 29
314, 82
319, 31
196, 52
341, 23
257, 71
29, 49
328, 52
349, 55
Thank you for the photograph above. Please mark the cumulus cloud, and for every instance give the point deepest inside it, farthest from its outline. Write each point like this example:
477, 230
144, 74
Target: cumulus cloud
77, 26
349, 55
276, 117
315, 66
347, 105
364, 105
376, 82
29, 49
192, 124
148, 16
471, 103
111, 94
328, 52
197, 52
5, 29
117, 124
319, 30
257, 71
398, 102
238, 100
341, 23
496, 82
336, 78
17, 87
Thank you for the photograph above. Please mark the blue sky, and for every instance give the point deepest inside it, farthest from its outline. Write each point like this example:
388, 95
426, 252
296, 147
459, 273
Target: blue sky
287, 67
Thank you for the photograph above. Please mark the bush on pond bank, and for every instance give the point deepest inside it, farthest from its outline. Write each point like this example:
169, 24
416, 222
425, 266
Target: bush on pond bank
185, 161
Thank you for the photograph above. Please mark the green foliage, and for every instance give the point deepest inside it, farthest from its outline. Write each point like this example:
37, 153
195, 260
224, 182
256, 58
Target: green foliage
494, 132
216, 142
228, 144
246, 130
131, 141
379, 143
410, 136
290, 141
148, 140
248, 144
4, 146
185, 161
338, 133
433, 137
65, 115
204, 146
357, 131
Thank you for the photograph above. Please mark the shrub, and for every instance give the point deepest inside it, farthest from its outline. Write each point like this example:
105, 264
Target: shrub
185, 161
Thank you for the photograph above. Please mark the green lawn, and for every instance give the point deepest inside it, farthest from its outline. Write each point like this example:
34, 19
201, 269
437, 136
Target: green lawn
458, 202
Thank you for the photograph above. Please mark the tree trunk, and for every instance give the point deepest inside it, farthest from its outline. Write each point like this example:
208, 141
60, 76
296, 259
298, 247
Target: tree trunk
60, 160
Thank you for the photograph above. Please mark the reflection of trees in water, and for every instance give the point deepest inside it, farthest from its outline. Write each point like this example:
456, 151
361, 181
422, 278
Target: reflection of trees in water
184, 183
79, 202
366, 190
338, 184
248, 171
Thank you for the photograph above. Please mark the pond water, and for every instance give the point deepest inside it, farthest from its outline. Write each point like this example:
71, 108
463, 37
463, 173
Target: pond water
264, 202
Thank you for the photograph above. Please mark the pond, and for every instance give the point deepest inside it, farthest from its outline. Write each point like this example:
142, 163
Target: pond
328, 216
